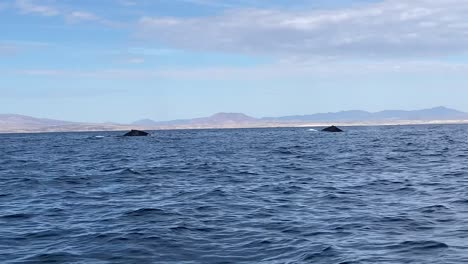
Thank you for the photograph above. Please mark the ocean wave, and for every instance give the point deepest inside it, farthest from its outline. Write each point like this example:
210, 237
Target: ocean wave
380, 195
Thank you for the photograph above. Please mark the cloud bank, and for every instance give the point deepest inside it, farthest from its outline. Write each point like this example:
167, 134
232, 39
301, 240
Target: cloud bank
392, 28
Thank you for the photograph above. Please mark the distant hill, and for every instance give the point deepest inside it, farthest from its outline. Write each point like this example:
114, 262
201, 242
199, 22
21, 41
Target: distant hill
224, 119
12, 119
21, 123
437, 113
12, 123
219, 119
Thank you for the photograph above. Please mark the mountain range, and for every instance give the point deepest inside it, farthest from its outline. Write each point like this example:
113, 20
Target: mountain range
437, 113
10, 123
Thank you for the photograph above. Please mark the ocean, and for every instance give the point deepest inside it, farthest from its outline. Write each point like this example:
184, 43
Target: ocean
390, 194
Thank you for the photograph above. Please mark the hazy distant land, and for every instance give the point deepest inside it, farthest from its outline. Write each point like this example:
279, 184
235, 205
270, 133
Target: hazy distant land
11, 123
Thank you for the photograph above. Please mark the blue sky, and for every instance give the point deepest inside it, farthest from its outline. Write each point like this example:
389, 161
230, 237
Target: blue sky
123, 60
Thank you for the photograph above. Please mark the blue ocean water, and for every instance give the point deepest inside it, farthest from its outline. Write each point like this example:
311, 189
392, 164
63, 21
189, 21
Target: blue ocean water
396, 194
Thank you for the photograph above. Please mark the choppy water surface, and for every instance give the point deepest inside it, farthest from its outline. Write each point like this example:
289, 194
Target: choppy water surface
370, 195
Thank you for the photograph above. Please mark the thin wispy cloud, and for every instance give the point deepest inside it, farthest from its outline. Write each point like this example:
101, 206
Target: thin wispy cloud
36, 7
241, 3
135, 60
4, 6
138, 55
77, 16
389, 28
127, 2
212, 3
8, 49
152, 52
31, 7
262, 72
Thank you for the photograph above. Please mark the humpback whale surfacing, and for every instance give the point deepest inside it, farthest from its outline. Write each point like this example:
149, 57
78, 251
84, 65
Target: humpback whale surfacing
136, 133
332, 129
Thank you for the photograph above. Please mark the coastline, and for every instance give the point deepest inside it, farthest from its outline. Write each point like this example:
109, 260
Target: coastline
115, 127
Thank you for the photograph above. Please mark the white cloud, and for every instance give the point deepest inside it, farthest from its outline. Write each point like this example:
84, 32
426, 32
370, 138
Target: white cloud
77, 16
29, 6
392, 28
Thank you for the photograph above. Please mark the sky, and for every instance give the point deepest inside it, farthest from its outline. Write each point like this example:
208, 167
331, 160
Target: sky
125, 60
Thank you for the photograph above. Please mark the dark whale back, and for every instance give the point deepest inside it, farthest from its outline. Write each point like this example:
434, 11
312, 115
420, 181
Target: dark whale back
332, 129
136, 133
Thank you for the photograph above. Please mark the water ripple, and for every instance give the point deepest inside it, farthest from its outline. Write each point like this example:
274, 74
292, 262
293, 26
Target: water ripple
370, 195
